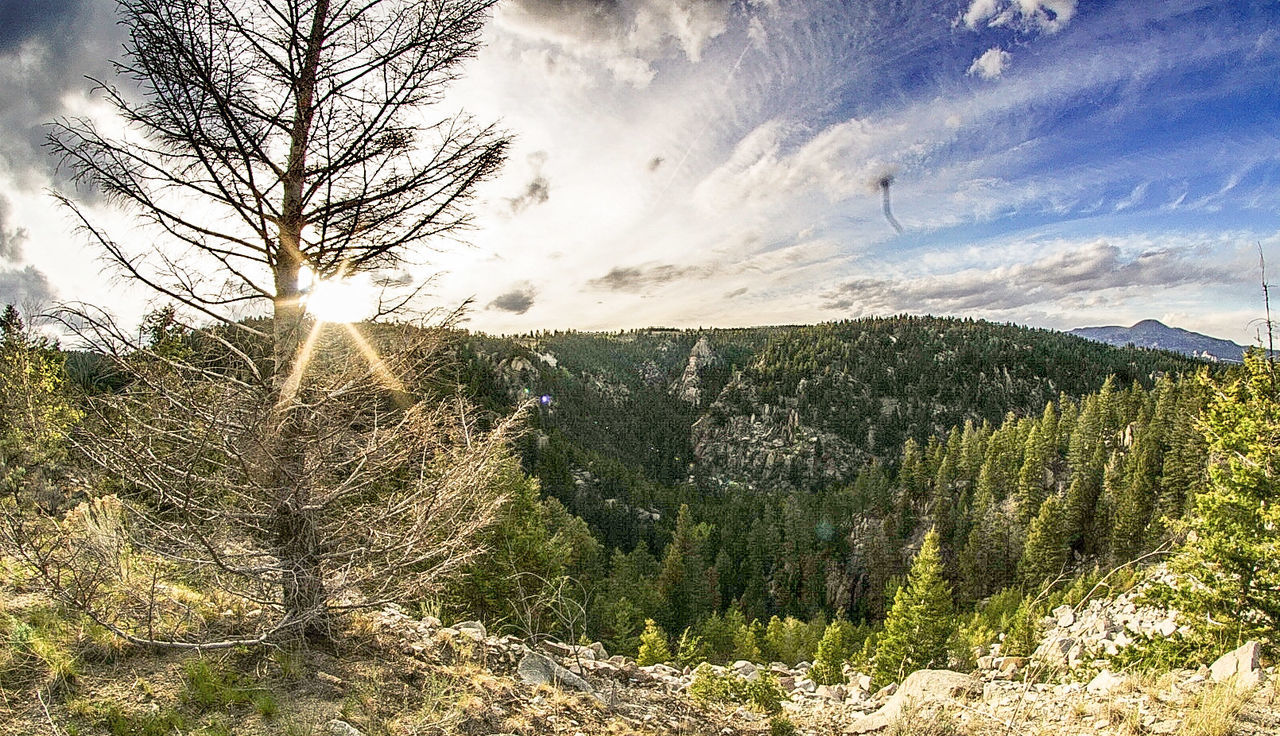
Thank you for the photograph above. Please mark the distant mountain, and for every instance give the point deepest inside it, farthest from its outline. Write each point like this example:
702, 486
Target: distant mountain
1150, 333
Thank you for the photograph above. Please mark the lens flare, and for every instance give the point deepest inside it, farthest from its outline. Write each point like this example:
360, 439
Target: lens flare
339, 300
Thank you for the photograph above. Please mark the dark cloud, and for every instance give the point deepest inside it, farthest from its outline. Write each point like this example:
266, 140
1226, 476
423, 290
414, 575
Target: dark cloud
637, 278
11, 237
655, 162
25, 287
736, 293
47, 47
535, 192
1067, 275
517, 300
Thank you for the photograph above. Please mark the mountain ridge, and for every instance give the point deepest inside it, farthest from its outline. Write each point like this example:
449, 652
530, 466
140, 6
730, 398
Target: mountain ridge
1154, 334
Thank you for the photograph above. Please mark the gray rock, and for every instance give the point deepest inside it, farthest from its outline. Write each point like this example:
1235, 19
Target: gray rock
1065, 615
538, 669
339, 727
474, 629
828, 692
1242, 664
920, 686
1104, 682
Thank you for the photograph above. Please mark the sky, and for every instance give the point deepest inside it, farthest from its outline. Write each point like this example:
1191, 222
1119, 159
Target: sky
1054, 163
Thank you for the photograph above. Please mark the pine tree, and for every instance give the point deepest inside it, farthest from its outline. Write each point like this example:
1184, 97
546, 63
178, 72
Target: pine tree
683, 581
1045, 553
1231, 562
746, 642
691, 649
653, 645
836, 647
919, 624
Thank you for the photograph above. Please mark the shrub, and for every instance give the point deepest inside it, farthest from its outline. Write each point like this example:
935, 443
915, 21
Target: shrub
782, 726
763, 693
690, 650
653, 645
837, 646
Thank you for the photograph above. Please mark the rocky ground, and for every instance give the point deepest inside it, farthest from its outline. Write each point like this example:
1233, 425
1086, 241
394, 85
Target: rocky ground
398, 674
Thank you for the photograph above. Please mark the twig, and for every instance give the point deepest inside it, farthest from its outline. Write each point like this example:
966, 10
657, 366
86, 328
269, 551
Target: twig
47, 714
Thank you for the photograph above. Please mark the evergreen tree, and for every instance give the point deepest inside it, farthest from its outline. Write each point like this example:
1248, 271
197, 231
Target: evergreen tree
1045, 553
683, 582
653, 645
746, 642
691, 649
919, 624
1231, 561
837, 646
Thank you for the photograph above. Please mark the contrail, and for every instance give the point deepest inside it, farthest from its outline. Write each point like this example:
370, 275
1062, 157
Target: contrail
675, 171
885, 181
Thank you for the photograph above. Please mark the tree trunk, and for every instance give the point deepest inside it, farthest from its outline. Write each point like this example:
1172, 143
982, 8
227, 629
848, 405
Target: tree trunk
297, 538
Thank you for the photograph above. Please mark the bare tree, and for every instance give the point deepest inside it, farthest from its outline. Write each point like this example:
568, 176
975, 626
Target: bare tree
266, 137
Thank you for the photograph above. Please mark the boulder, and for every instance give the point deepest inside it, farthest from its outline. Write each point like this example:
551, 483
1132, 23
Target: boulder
473, 629
1065, 616
1241, 664
539, 669
745, 669
339, 727
828, 692
1104, 682
921, 686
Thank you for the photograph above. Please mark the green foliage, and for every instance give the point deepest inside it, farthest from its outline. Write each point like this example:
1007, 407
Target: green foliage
209, 686
35, 411
1046, 551
1230, 566
791, 640
37, 650
690, 649
653, 645
1022, 630
837, 646
532, 546
763, 693
782, 726
746, 642
919, 625
119, 722
683, 582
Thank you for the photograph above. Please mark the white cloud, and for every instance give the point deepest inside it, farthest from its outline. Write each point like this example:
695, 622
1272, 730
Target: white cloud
991, 64
627, 37
1048, 16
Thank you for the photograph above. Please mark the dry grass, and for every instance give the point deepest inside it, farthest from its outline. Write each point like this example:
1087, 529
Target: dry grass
1214, 711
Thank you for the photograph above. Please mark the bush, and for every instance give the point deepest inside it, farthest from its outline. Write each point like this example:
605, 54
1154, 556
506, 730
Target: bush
782, 726
690, 650
837, 646
653, 645
791, 640
763, 693
208, 687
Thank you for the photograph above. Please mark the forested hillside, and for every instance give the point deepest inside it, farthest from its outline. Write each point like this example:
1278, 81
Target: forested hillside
792, 471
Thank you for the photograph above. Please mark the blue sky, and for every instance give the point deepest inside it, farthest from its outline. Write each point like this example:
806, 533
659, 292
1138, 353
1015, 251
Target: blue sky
686, 162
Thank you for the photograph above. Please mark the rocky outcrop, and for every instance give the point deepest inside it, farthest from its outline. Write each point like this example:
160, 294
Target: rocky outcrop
743, 439
689, 386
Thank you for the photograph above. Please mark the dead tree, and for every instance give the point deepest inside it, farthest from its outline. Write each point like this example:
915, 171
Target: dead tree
262, 138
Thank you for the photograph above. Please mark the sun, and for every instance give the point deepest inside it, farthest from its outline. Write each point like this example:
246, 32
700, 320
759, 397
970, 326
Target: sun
339, 300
